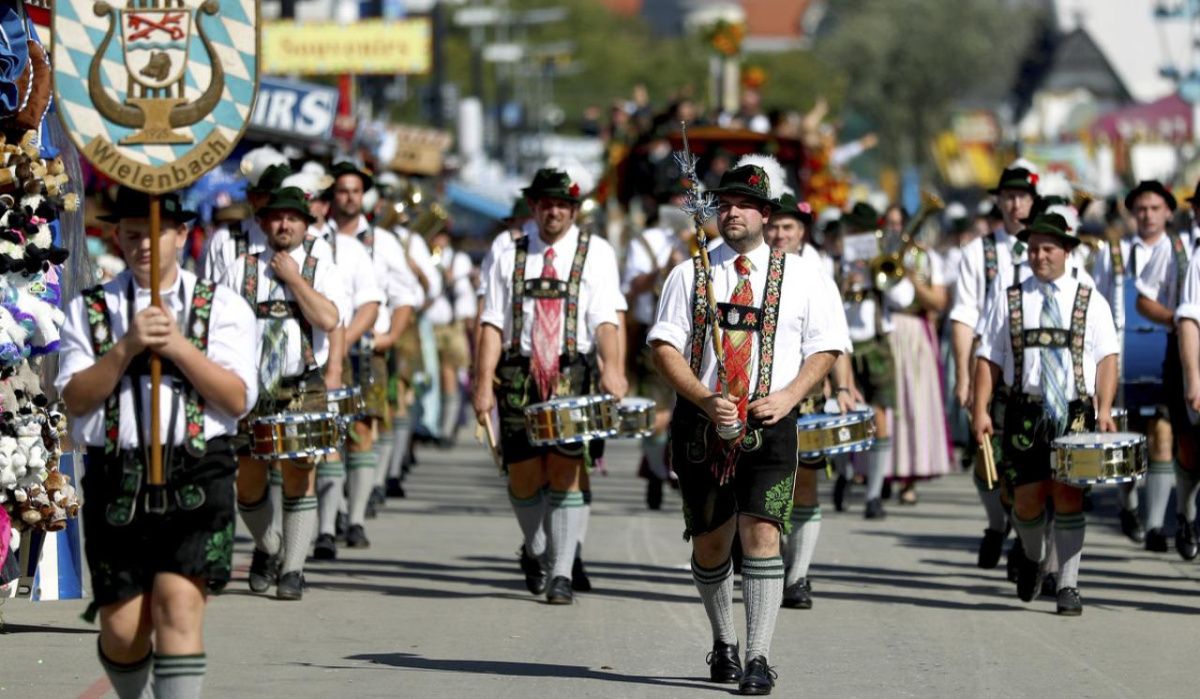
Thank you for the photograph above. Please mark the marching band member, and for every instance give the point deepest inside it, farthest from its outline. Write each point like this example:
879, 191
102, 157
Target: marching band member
265, 169
296, 295
989, 266
534, 348
150, 568
787, 230
742, 487
451, 312
367, 344
649, 258
1054, 374
1187, 477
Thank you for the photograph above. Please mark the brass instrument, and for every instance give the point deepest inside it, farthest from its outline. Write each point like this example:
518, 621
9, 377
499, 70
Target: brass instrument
430, 222
890, 267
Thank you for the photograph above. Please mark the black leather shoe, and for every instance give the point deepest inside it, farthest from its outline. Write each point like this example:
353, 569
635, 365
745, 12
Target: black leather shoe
874, 509
1049, 585
559, 591
1069, 603
1029, 579
758, 679
1185, 538
990, 548
1016, 557
535, 576
394, 488
264, 571
356, 538
340, 524
291, 586
1156, 541
1131, 526
214, 586
654, 493
799, 595
579, 577
326, 548
724, 665
839, 493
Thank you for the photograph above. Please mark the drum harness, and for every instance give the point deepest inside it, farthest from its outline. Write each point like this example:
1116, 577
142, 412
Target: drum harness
188, 496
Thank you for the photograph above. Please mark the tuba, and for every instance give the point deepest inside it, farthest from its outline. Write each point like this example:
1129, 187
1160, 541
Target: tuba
891, 266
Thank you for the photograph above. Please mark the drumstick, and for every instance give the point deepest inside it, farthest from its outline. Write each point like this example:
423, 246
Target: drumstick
491, 440
989, 464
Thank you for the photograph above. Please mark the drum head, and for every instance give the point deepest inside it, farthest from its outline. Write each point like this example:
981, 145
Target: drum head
291, 418
341, 393
1099, 440
636, 403
816, 422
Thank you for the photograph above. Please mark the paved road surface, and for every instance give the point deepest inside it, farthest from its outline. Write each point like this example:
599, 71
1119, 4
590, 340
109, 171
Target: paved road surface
437, 607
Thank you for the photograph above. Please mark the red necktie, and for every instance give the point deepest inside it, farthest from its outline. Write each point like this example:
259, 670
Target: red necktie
547, 331
738, 344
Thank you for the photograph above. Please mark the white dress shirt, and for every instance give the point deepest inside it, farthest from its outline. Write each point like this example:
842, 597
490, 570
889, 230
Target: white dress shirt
351, 256
1189, 297
502, 243
220, 255
327, 281
598, 289
392, 275
1099, 340
662, 243
971, 292
860, 316
455, 270
826, 263
230, 324
810, 315
414, 247
1158, 278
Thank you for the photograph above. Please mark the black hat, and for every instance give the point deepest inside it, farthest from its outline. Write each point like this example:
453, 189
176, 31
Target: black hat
1017, 178
288, 199
520, 209
799, 210
270, 179
1150, 186
749, 181
1195, 195
863, 217
1050, 224
348, 168
552, 184
134, 204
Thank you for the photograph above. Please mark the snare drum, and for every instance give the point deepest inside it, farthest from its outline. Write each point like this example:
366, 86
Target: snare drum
827, 435
636, 417
571, 420
347, 403
1121, 417
1097, 458
295, 436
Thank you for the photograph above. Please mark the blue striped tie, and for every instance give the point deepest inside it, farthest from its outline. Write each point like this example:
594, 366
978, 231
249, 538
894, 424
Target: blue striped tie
1054, 364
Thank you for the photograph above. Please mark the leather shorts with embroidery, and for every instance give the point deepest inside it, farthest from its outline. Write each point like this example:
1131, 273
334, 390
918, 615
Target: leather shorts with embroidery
762, 484
373, 381
515, 390
1028, 434
194, 537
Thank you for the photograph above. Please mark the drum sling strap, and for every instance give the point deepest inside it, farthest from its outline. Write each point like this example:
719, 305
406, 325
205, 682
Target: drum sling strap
1023, 338
275, 309
763, 320
121, 511
549, 289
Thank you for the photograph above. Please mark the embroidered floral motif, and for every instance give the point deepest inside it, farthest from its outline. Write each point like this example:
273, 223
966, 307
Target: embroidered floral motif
770, 312
218, 551
990, 261
518, 294
779, 499
193, 406
574, 281
699, 316
102, 342
1016, 323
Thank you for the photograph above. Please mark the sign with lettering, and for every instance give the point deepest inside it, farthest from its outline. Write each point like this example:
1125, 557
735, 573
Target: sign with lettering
295, 109
367, 47
155, 93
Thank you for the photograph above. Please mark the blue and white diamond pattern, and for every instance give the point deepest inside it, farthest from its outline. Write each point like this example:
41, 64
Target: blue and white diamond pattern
78, 32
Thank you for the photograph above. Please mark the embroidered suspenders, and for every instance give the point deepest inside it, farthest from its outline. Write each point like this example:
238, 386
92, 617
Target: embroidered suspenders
241, 241
1023, 338
1181, 263
280, 309
556, 289
991, 262
766, 325
121, 510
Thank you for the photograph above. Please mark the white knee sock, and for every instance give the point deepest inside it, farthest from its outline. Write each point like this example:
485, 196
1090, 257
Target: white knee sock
1068, 535
802, 542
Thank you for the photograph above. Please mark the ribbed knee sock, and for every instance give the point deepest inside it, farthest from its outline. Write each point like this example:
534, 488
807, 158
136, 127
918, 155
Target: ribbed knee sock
331, 480
762, 590
1033, 536
996, 515
179, 676
451, 404
401, 436
530, 512
299, 518
360, 474
1187, 485
1127, 496
258, 517
566, 519
129, 680
654, 448
798, 551
1068, 536
1159, 481
880, 463
586, 517
716, 591
383, 451
1050, 562
275, 493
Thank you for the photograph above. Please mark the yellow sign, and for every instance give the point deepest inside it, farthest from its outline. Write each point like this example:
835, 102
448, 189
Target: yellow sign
373, 46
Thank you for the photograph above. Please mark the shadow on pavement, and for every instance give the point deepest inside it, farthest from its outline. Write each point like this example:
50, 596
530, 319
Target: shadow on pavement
29, 628
517, 669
